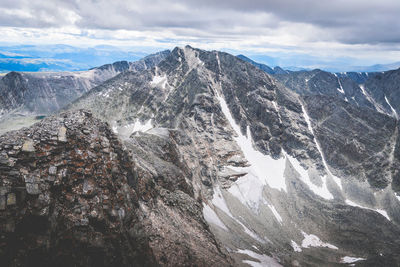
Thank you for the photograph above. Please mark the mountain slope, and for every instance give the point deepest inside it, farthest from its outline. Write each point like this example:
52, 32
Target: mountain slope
384, 89
285, 176
318, 82
366, 89
24, 96
267, 69
44, 93
263, 67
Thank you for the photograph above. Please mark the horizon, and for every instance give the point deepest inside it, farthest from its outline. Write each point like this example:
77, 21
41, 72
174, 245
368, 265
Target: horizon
136, 53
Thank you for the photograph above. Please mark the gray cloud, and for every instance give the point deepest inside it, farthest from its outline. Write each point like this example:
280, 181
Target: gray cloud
348, 22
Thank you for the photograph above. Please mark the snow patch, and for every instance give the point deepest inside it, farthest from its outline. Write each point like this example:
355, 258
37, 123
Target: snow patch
211, 217
348, 259
393, 110
248, 189
192, 58
162, 132
263, 260
265, 168
370, 99
380, 211
295, 247
336, 179
397, 196
159, 80
275, 106
362, 87
106, 93
340, 85
314, 241
251, 233
218, 62
128, 129
276, 214
89, 74
277, 111
219, 201
115, 129
321, 191
141, 127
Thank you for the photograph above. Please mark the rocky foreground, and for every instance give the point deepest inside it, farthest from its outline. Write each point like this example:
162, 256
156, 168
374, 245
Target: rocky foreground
72, 195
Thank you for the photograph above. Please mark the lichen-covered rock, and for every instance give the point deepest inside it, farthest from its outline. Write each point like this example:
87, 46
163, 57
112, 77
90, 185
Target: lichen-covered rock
50, 213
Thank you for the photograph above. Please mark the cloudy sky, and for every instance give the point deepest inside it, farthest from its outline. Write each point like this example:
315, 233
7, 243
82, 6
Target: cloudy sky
353, 31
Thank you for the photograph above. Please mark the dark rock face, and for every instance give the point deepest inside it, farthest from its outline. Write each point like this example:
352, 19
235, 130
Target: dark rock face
318, 82
71, 195
11, 98
170, 214
384, 88
357, 77
345, 133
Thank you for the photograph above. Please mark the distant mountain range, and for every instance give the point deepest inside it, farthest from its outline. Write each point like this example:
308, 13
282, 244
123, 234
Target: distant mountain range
314, 63
26, 96
34, 58
379, 67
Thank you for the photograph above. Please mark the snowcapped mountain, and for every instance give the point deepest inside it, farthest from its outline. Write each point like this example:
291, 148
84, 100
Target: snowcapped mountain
215, 163
365, 89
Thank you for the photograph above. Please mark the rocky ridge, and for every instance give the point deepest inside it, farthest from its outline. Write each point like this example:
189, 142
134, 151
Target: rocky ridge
24, 96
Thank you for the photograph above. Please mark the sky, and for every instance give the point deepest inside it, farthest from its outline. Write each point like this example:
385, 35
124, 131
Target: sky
304, 33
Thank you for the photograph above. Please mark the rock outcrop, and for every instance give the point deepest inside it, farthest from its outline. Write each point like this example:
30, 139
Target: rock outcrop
72, 195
